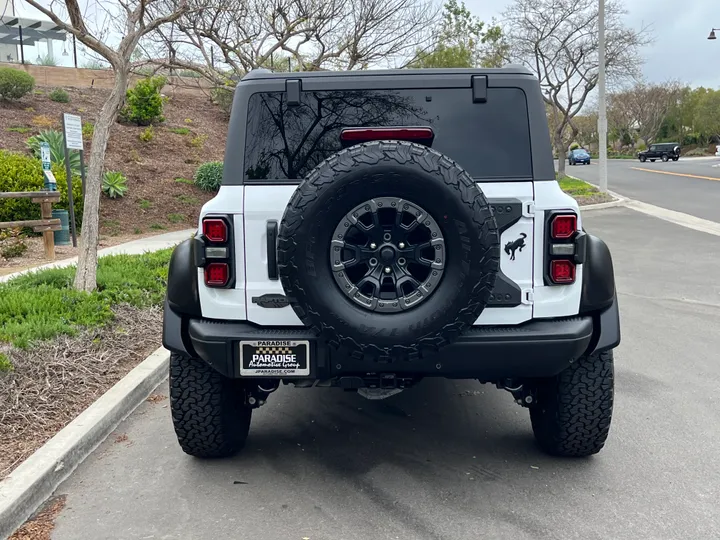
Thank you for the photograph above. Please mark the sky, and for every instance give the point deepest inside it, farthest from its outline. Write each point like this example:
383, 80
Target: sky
681, 50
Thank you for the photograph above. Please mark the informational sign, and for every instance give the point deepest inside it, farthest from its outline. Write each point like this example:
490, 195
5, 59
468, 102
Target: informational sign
73, 131
45, 155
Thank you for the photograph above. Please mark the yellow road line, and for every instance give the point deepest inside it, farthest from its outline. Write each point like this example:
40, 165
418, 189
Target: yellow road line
677, 174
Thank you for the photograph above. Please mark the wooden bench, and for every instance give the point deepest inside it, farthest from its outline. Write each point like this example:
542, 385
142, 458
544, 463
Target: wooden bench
46, 225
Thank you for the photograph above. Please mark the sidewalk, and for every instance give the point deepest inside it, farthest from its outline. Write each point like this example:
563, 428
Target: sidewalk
136, 247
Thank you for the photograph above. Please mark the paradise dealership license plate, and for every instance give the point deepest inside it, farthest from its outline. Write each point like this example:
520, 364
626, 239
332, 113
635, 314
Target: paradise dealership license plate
274, 358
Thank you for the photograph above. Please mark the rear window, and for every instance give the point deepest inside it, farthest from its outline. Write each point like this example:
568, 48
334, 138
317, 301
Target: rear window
490, 140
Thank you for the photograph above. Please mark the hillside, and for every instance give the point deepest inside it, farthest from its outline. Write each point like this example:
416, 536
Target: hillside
160, 195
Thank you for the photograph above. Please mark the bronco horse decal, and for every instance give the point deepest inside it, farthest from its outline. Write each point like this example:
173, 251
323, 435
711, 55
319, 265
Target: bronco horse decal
518, 244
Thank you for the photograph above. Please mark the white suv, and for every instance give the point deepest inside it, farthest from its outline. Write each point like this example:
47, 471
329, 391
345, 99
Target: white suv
376, 228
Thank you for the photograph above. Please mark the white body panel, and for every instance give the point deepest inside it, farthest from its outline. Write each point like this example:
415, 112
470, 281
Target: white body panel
253, 206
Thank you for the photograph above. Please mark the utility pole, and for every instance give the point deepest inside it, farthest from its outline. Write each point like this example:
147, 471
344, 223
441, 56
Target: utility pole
602, 113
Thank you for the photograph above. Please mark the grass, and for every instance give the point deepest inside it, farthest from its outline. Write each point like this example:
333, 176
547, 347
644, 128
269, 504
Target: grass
180, 130
577, 188
19, 129
43, 304
187, 199
187, 181
175, 218
158, 227
145, 204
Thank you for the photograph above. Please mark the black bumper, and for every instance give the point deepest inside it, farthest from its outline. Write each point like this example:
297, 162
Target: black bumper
540, 348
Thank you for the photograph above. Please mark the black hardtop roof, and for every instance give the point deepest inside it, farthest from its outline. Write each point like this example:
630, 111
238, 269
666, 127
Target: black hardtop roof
511, 69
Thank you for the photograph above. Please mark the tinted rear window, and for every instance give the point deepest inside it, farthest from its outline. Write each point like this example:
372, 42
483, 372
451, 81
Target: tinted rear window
490, 140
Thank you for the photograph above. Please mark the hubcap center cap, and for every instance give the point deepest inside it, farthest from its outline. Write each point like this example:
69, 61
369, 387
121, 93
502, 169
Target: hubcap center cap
387, 255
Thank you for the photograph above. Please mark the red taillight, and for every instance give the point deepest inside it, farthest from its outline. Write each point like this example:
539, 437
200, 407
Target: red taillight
563, 226
562, 271
215, 230
217, 274
356, 135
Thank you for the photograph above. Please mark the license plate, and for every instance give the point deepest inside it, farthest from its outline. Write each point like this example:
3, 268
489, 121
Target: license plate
274, 358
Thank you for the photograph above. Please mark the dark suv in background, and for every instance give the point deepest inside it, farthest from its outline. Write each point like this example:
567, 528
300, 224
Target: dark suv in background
664, 151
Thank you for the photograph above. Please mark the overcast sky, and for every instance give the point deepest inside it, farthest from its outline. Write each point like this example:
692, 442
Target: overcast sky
681, 49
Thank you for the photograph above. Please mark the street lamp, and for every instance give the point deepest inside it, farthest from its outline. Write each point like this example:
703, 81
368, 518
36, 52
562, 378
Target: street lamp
712, 33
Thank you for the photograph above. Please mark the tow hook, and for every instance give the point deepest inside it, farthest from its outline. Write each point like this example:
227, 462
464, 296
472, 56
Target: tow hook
256, 396
523, 396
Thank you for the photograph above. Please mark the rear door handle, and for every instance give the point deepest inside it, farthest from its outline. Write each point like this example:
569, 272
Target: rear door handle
272, 233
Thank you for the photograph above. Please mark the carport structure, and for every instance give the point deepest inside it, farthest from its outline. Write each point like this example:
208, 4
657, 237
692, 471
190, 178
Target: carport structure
18, 32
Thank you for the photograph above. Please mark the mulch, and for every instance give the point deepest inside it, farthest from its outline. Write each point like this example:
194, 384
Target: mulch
55, 380
155, 200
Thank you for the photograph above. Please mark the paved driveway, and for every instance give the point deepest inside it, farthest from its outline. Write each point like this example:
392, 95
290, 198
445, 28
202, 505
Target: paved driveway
453, 460
690, 185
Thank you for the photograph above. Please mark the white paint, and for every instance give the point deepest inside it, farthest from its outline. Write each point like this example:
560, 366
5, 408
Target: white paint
558, 300
521, 269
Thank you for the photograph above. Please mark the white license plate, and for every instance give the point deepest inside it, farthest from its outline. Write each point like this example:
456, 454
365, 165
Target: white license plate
274, 358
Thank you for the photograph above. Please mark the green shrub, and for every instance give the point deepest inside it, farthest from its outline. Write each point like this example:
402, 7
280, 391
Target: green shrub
88, 130
59, 95
175, 218
144, 104
147, 134
641, 147
15, 249
18, 129
222, 96
20, 172
145, 204
15, 83
199, 140
114, 184
574, 146
57, 149
180, 131
699, 151
43, 304
208, 176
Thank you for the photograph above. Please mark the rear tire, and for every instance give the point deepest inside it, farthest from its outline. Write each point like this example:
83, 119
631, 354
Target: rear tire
574, 409
208, 410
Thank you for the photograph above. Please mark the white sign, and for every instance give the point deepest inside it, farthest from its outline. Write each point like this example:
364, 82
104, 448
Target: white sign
45, 155
73, 131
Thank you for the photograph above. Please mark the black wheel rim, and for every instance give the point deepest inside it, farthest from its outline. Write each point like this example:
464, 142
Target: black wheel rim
387, 255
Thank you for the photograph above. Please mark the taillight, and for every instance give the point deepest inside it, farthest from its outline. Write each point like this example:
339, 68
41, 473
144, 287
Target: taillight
215, 230
217, 274
215, 251
562, 271
561, 248
563, 226
413, 134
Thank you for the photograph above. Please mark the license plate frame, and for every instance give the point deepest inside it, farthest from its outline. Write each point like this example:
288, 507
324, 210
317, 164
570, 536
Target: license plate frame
274, 358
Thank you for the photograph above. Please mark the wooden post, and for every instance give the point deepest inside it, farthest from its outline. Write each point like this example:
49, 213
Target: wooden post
48, 236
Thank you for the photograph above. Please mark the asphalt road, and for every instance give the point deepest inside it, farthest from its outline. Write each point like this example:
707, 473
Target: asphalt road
673, 185
453, 460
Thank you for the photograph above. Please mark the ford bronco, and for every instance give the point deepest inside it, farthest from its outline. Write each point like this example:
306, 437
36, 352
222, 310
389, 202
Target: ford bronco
376, 228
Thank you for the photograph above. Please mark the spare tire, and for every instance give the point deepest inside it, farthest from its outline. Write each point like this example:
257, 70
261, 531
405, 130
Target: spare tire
388, 250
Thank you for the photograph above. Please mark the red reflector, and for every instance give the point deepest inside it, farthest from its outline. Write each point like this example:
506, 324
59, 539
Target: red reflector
217, 274
562, 271
379, 134
215, 230
564, 226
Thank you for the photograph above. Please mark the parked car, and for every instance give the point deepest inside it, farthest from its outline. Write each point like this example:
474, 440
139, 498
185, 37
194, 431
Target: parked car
372, 245
664, 151
579, 155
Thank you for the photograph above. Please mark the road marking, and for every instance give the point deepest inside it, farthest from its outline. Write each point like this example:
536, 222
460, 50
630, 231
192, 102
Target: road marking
679, 218
677, 174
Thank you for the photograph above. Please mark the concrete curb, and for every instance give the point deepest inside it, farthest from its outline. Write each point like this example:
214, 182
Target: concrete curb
35, 480
600, 206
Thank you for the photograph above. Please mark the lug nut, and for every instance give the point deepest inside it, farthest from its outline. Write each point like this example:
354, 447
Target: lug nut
388, 269
401, 245
252, 400
373, 245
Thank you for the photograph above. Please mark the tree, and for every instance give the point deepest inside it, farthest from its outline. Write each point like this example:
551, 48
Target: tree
558, 40
316, 34
138, 18
461, 40
707, 115
645, 107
